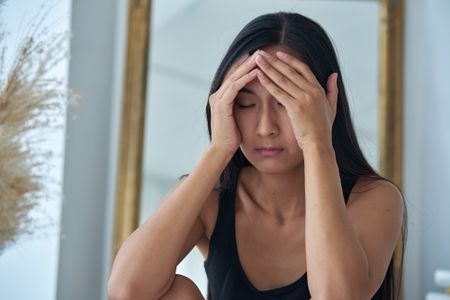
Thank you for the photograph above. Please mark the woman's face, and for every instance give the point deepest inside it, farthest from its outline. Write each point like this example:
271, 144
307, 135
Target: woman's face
264, 123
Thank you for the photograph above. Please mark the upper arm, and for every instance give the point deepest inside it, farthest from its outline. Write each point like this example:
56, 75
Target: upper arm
377, 218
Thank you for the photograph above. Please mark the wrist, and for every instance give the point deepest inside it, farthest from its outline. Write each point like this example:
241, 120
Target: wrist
219, 152
317, 147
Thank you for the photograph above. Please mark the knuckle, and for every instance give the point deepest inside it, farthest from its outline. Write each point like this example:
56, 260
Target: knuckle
213, 98
277, 92
283, 80
291, 73
319, 92
234, 85
232, 77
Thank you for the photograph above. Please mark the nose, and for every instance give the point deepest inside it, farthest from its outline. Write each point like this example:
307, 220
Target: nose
267, 123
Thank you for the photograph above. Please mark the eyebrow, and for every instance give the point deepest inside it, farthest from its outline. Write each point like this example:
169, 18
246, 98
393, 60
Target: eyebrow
247, 91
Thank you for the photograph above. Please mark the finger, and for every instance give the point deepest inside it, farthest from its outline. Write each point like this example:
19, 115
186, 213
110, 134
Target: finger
240, 69
238, 62
243, 59
332, 90
274, 90
280, 79
234, 87
295, 77
300, 66
236, 72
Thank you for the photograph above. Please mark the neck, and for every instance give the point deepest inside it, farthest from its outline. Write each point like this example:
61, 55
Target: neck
280, 195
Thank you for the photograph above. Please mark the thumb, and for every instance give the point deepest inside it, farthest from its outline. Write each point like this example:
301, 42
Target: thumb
332, 90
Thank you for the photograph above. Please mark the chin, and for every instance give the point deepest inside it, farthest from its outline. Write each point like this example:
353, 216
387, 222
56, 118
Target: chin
274, 165
280, 169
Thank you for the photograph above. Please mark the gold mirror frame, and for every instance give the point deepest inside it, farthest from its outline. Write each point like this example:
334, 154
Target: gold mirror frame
129, 176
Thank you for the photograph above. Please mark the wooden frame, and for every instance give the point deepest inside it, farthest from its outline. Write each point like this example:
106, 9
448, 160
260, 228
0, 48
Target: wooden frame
134, 99
391, 100
129, 173
391, 90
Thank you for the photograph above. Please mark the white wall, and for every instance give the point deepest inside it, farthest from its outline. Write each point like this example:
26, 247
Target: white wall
91, 148
427, 142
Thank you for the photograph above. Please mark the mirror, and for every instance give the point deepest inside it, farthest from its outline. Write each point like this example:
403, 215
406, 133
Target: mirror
187, 41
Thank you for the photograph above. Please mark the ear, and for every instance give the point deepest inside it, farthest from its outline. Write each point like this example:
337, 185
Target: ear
332, 92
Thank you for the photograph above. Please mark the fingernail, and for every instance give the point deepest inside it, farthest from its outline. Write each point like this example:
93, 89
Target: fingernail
281, 54
261, 60
263, 52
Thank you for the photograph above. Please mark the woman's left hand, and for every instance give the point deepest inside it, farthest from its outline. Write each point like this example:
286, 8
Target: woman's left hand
312, 110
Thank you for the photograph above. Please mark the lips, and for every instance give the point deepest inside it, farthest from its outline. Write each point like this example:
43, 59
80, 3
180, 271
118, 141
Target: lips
269, 151
269, 148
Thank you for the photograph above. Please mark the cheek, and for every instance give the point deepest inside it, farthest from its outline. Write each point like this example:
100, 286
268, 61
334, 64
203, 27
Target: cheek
238, 119
242, 121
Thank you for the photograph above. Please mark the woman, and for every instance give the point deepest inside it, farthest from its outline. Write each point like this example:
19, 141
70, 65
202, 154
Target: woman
283, 204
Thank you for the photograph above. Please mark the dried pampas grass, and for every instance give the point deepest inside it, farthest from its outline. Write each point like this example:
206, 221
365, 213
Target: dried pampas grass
31, 102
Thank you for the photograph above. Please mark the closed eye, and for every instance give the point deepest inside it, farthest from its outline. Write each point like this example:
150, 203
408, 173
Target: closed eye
245, 106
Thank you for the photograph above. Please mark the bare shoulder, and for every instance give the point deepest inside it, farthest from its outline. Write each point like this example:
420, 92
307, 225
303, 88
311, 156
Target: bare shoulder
368, 191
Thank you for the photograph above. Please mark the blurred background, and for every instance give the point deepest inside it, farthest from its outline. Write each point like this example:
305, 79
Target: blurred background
188, 39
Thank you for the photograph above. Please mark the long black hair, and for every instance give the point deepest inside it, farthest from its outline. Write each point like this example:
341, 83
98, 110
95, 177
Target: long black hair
311, 44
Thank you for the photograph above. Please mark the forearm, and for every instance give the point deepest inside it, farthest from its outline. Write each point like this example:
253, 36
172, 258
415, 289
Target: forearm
148, 258
336, 262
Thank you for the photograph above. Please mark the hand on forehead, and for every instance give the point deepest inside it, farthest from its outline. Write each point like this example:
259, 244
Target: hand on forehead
246, 58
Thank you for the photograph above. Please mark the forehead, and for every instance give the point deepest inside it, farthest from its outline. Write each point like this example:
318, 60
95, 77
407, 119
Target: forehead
272, 49
254, 89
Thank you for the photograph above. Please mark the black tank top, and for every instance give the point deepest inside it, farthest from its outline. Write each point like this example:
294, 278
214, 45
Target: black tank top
226, 277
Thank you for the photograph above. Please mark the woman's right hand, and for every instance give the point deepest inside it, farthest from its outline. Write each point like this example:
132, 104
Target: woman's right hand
224, 132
